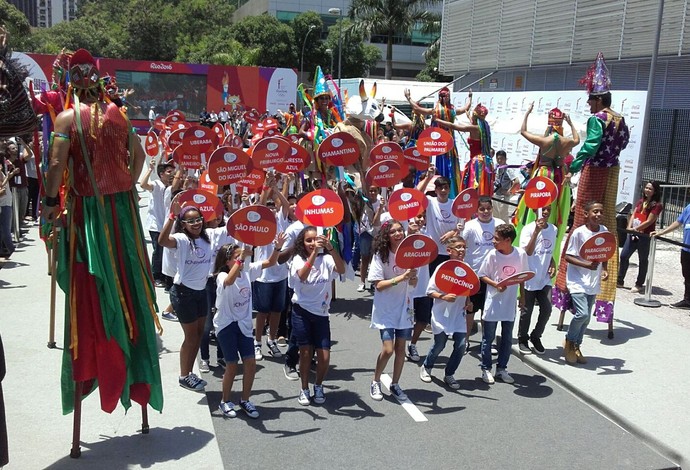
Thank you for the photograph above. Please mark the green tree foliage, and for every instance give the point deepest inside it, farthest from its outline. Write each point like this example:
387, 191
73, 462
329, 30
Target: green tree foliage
17, 25
357, 58
314, 48
274, 39
390, 17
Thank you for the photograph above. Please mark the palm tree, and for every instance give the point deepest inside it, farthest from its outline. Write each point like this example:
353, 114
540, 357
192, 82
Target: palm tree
391, 17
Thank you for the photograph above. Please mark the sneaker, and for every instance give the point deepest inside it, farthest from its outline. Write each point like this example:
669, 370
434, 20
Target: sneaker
682, 305
304, 399
524, 347
636, 289
427, 329
257, 351
319, 397
487, 377
192, 382
361, 288
203, 382
227, 408
249, 408
221, 362
282, 342
170, 316
425, 374
159, 284
375, 391
273, 349
204, 367
504, 376
494, 351
290, 372
451, 382
620, 285
412, 353
398, 392
537, 347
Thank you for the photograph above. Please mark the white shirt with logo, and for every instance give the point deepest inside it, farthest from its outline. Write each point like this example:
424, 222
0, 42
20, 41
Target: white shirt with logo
540, 260
479, 237
439, 220
159, 203
393, 306
582, 280
277, 272
193, 261
234, 302
501, 306
219, 237
314, 294
446, 317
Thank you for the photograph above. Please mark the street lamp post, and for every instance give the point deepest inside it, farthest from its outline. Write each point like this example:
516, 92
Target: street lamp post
339, 12
329, 51
301, 61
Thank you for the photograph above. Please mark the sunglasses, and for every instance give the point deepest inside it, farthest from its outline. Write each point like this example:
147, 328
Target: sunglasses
197, 220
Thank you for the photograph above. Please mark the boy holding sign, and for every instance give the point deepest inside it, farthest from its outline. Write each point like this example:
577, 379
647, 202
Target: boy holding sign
583, 279
447, 319
500, 264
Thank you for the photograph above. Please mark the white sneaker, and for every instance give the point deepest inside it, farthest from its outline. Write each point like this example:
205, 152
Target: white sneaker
504, 376
375, 391
204, 367
487, 377
494, 350
424, 374
257, 351
361, 288
304, 399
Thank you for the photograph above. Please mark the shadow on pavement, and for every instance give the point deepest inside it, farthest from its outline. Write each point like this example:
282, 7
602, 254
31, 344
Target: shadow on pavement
531, 386
624, 331
348, 308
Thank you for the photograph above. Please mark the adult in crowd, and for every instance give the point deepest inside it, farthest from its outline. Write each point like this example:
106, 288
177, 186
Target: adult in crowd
682, 221
506, 179
6, 243
18, 156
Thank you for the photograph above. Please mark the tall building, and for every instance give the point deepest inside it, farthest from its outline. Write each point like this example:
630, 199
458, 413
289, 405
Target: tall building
407, 50
29, 8
46, 13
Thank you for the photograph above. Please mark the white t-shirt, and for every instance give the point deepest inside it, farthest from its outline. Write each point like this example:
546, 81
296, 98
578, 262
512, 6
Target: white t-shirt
157, 206
277, 272
582, 280
234, 302
479, 237
5, 199
193, 261
393, 306
501, 306
543, 254
290, 236
219, 236
422, 278
440, 220
314, 294
446, 317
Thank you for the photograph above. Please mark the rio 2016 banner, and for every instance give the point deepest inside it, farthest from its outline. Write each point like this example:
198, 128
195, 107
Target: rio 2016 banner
507, 111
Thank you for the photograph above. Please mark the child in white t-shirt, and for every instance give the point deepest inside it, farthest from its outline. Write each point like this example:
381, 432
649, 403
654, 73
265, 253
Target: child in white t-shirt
537, 239
583, 279
447, 319
422, 303
501, 301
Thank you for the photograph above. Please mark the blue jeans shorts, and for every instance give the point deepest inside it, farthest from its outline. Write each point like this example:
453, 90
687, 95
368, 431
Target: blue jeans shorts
189, 304
391, 334
309, 329
234, 343
269, 296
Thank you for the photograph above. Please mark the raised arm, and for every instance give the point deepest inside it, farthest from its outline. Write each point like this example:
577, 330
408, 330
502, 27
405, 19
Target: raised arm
538, 140
415, 106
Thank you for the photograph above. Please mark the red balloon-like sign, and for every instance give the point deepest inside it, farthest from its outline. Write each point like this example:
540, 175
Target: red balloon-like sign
415, 251
456, 277
206, 202
176, 112
187, 160
434, 141
253, 181
516, 278
599, 247
406, 203
387, 151
339, 149
219, 131
151, 144
320, 208
540, 192
465, 204
206, 184
159, 123
233, 141
270, 123
297, 161
270, 152
175, 138
228, 165
417, 160
384, 174
229, 129
252, 116
172, 119
198, 140
253, 225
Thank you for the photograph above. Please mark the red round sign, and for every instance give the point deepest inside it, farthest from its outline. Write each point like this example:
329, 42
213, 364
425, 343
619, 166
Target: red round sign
599, 247
228, 165
293, 138
253, 225
465, 204
233, 141
415, 251
417, 160
540, 192
339, 149
297, 161
406, 203
173, 119
270, 123
206, 184
253, 181
456, 277
151, 145
516, 278
198, 140
219, 131
387, 151
175, 138
270, 152
206, 202
228, 129
187, 160
251, 116
176, 112
320, 208
434, 141
159, 123
384, 174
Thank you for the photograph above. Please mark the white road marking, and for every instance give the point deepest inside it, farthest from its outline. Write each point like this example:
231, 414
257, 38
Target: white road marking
410, 407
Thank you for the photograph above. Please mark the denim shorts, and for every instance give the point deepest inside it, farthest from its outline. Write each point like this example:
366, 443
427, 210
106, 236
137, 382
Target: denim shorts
234, 343
189, 304
422, 309
269, 296
365, 240
309, 329
391, 334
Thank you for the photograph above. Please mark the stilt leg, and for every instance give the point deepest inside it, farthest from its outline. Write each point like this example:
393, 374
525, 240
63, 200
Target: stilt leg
560, 321
53, 286
144, 420
75, 452
611, 328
